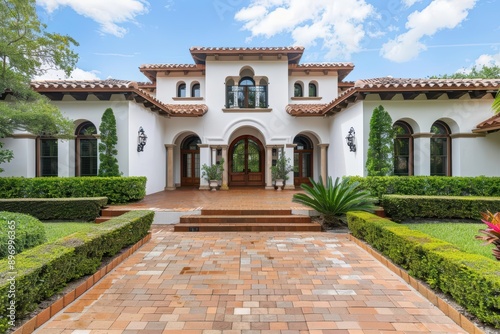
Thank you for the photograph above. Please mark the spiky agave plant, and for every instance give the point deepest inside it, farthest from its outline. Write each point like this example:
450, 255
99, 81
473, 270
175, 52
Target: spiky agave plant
491, 235
335, 199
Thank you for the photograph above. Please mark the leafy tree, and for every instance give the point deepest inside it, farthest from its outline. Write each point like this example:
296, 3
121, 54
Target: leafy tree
483, 72
335, 200
107, 147
26, 48
380, 144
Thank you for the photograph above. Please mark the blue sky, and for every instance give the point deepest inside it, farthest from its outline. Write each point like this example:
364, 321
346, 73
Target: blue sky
399, 38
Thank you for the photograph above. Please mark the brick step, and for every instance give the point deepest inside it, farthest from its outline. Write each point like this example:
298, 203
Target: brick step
248, 227
244, 212
245, 219
107, 214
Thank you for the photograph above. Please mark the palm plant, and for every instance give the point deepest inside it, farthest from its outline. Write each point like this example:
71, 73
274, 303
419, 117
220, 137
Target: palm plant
335, 200
496, 103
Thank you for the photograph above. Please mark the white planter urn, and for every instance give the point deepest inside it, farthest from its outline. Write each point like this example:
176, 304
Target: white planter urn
279, 183
213, 185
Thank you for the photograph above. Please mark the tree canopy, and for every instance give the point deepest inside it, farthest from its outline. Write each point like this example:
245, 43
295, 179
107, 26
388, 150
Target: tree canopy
483, 72
26, 50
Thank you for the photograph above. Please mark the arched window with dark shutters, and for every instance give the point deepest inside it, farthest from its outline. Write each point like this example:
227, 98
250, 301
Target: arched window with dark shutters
440, 149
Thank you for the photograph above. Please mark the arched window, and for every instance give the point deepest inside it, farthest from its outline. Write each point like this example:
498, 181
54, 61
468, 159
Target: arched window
246, 93
403, 149
440, 149
297, 90
303, 160
47, 161
190, 161
313, 90
181, 90
86, 150
195, 90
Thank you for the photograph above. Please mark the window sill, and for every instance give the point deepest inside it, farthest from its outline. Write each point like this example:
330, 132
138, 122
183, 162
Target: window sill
306, 98
247, 109
187, 98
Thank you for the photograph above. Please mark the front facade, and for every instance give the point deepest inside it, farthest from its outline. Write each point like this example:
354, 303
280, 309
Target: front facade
247, 105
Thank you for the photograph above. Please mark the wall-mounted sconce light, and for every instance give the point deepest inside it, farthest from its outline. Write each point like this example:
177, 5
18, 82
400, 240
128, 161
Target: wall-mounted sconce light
141, 140
350, 139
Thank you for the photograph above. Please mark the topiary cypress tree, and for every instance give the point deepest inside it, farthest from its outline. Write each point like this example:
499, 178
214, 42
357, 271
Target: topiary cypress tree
107, 152
380, 144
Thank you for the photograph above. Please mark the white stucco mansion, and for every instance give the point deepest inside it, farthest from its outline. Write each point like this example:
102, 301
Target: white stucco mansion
246, 104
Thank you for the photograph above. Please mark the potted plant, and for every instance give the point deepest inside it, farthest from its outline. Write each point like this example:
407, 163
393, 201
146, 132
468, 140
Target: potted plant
213, 174
279, 172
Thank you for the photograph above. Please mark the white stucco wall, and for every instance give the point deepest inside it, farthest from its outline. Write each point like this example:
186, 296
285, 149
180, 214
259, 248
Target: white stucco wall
23, 163
326, 86
340, 160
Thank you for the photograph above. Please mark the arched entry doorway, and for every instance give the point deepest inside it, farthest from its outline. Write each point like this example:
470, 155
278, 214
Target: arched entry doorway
190, 161
246, 162
303, 160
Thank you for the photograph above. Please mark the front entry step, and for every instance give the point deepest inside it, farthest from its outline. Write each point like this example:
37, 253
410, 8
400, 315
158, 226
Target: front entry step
246, 221
108, 213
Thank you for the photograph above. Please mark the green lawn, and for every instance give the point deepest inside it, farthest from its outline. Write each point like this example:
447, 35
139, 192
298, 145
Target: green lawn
459, 234
58, 230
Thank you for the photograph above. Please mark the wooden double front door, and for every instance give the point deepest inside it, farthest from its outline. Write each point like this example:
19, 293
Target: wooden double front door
246, 162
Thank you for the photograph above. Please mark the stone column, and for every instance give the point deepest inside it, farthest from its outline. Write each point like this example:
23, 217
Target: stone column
323, 162
214, 154
170, 167
289, 153
225, 174
268, 164
422, 153
204, 159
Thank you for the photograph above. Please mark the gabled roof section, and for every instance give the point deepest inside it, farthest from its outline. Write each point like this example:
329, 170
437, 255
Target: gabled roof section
152, 70
294, 53
104, 89
387, 88
492, 124
343, 69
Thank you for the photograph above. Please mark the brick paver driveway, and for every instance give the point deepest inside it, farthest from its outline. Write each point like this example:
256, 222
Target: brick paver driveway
250, 283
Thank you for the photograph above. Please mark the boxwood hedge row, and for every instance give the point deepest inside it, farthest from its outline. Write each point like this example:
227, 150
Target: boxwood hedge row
116, 189
473, 281
403, 207
430, 185
19, 232
67, 209
42, 271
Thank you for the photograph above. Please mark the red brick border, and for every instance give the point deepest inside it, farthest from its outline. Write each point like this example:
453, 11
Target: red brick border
429, 294
42, 317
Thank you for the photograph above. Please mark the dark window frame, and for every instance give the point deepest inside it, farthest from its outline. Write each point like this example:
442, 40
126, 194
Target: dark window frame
407, 135
443, 135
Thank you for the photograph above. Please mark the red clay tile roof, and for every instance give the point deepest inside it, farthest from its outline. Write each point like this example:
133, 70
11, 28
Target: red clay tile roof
491, 124
199, 54
118, 86
151, 70
393, 86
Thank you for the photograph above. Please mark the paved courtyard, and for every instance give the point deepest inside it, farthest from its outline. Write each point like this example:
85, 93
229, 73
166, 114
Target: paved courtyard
228, 283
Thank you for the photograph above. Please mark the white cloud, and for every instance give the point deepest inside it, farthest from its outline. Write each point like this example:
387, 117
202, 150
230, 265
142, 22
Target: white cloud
488, 60
77, 74
338, 24
438, 15
108, 13
409, 3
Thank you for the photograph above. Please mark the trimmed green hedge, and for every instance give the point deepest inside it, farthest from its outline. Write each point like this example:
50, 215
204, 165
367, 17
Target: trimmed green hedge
79, 209
44, 270
116, 189
430, 185
472, 280
19, 232
403, 207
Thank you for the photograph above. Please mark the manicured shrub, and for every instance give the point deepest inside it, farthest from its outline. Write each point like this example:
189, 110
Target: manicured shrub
379, 160
430, 185
19, 232
473, 281
68, 209
42, 271
116, 189
403, 207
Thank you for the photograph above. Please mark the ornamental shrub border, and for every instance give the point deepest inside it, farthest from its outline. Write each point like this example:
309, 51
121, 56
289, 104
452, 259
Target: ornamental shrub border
67, 209
116, 189
42, 271
403, 207
19, 232
430, 185
473, 281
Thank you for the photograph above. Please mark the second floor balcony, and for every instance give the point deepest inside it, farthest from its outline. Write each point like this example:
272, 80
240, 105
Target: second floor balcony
246, 97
